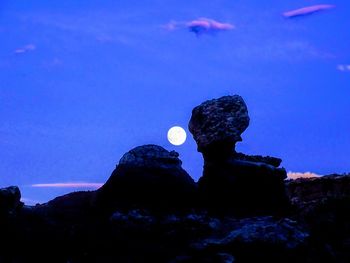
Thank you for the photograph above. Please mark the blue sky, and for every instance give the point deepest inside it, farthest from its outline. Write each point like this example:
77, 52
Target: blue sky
82, 83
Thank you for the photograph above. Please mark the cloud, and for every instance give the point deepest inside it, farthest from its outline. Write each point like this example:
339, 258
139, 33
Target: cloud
277, 49
343, 68
199, 26
68, 185
107, 26
296, 175
307, 10
172, 25
204, 25
25, 49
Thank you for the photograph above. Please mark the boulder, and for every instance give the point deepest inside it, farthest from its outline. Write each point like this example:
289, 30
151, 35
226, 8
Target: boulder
219, 123
148, 177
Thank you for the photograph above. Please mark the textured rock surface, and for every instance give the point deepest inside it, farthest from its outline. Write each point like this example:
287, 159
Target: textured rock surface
148, 176
219, 122
276, 162
260, 239
284, 233
323, 204
151, 156
306, 191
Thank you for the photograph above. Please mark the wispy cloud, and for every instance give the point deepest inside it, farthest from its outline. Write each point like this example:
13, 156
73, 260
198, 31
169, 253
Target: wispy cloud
68, 185
307, 10
199, 26
296, 175
279, 49
172, 25
25, 49
344, 67
101, 26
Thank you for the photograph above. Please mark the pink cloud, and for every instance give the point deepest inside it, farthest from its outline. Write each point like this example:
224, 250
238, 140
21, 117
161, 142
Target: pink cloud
27, 48
199, 26
296, 175
205, 25
68, 185
307, 10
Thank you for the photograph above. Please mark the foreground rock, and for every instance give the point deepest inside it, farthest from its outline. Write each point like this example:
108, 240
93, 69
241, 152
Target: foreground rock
262, 239
323, 204
148, 177
234, 182
140, 235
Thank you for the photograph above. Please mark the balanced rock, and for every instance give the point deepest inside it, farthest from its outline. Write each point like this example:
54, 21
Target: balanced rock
219, 123
148, 177
234, 182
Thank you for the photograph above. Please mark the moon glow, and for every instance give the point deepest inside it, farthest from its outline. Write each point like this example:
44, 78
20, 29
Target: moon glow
176, 135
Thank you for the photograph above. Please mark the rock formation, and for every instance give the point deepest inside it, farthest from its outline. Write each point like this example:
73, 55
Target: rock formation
148, 177
150, 209
244, 184
305, 192
217, 125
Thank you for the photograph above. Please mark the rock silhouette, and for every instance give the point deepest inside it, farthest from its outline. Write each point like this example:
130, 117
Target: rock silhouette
148, 177
217, 125
151, 210
231, 181
10, 200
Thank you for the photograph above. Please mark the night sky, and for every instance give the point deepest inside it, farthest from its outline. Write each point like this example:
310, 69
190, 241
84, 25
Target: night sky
83, 82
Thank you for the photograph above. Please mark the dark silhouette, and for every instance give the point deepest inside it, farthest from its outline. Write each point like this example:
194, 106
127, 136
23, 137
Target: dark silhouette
150, 209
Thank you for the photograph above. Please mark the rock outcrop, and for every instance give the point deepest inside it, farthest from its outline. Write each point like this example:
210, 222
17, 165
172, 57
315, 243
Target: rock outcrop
323, 205
148, 177
150, 209
305, 192
10, 200
243, 184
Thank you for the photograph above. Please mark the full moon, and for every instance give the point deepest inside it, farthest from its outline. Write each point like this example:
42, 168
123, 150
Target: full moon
177, 135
